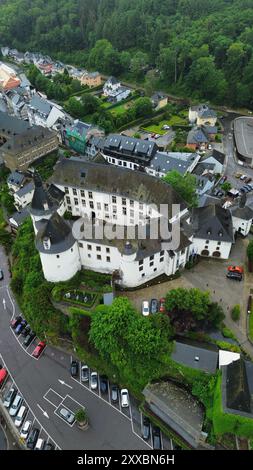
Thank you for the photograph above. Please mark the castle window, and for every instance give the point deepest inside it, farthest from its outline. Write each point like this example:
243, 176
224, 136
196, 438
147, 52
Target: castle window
91, 205
141, 262
131, 203
106, 206
57, 256
151, 264
108, 259
83, 202
114, 199
98, 248
124, 211
66, 190
82, 193
141, 268
107, 250
68, 200
80, 244
123, 201
89, 247
74, 191
99, 257
76, 201
90, 194
161, 259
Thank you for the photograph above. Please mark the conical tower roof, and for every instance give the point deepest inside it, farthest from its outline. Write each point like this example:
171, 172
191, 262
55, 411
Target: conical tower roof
45, 200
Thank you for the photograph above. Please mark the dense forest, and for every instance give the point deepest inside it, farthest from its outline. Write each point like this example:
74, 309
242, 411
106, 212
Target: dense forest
202, 48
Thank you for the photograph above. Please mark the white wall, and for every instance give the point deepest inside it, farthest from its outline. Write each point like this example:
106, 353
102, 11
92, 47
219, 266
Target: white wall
200, 244
61, 266
241, 225
23, 200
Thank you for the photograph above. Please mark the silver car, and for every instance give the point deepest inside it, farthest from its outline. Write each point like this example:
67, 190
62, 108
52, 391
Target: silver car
26, 429
9, 397
16, 405
67, 415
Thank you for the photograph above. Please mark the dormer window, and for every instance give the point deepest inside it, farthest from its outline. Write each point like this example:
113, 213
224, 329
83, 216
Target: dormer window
47, 243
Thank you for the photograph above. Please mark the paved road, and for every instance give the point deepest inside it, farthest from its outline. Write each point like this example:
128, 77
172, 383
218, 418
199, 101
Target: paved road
38, 381
3, 440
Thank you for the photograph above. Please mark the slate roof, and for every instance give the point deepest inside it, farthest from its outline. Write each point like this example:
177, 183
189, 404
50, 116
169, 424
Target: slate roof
206, 112
25, 190
210, 129
10, 125
129, 147
212, 222
245, 212
219, 156
58, 231
45, 200
111, 179
40, 105
201, 356
19, 217
15, 177
30, 137
112, 80
197, 136
168, 161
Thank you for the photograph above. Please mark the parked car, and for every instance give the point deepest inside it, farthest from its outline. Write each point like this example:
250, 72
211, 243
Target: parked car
10, 396
25, 429
115, 394
84, 373
16, 404
156, 438
67, 415
30, 337
249, 187
145, 308
243, 177
209, 147
32, 439
74, 368
20, 327
235, 276
248, 180
103, 381
145, 428
124, 398
39, 444
26, 331
94, 380
238, 175
16, 321
20, 416
3, 375
162, 308
38, 350
236, 269
49, 446
157, 136
1, 275
153, 306
166, 127
243, 190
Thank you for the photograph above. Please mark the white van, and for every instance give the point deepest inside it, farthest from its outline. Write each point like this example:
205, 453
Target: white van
20, 416
39, 444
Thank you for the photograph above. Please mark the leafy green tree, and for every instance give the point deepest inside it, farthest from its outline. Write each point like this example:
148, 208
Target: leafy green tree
185, 186
151, 82
90, 104
236, 312
188, 300
74, 107
250, 250
142, 107
138, 64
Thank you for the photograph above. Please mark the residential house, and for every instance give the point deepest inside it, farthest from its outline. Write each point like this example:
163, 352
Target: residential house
8, 78
217, 159
24, 195
197, 139
164, 162
21, 144
15, 180
213, 231
92, 79
242, 216
205, 177
45, 113
211, 132
159, 100
77, 135
202, 115
115, 91
18, 218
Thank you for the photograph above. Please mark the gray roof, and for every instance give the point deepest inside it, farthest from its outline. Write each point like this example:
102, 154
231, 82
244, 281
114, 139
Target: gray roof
20, 216
211, 129
200, 356
41, 105
129, 148
245, 212
212, 222
112, 80
206, 200
168, 161
157, 96
201, 167
219, 156
58, 231
15, 177
45, 200
26, 189
10, 125
207, 112
111, 179
197, 136
237, 388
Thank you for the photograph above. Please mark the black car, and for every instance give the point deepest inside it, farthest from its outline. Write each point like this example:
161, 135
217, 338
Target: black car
1, 275
74, 369
49, 446
32, 439
30, 337
153, 306
26, 331
234, 275
103, 384
115, 393
156, 438
145, 428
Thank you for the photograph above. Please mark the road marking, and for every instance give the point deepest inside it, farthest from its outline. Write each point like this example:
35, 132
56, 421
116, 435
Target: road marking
4, 303
30, 409
43, 411
64, 383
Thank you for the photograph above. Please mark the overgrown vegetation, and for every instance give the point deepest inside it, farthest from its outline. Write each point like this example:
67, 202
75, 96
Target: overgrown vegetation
236, 312
185, 186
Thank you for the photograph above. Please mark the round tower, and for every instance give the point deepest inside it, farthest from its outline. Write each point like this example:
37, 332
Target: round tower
58, 249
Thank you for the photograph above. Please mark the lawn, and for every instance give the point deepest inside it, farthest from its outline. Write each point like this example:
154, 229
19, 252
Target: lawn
173, 121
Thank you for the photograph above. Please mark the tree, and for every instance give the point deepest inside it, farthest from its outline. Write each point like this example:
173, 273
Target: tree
185, 186
236, 312
151, 82
250, 250
188, 300
226, 186
74, 107
142, 107
90, 104
138, 64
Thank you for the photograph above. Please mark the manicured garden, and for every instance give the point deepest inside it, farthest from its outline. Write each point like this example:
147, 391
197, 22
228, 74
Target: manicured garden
173, 120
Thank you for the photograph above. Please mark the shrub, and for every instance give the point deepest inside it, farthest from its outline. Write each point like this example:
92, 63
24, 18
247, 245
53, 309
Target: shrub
235, 313
250, 250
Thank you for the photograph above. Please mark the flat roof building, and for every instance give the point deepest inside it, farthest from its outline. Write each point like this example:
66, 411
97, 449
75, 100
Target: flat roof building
243, 133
